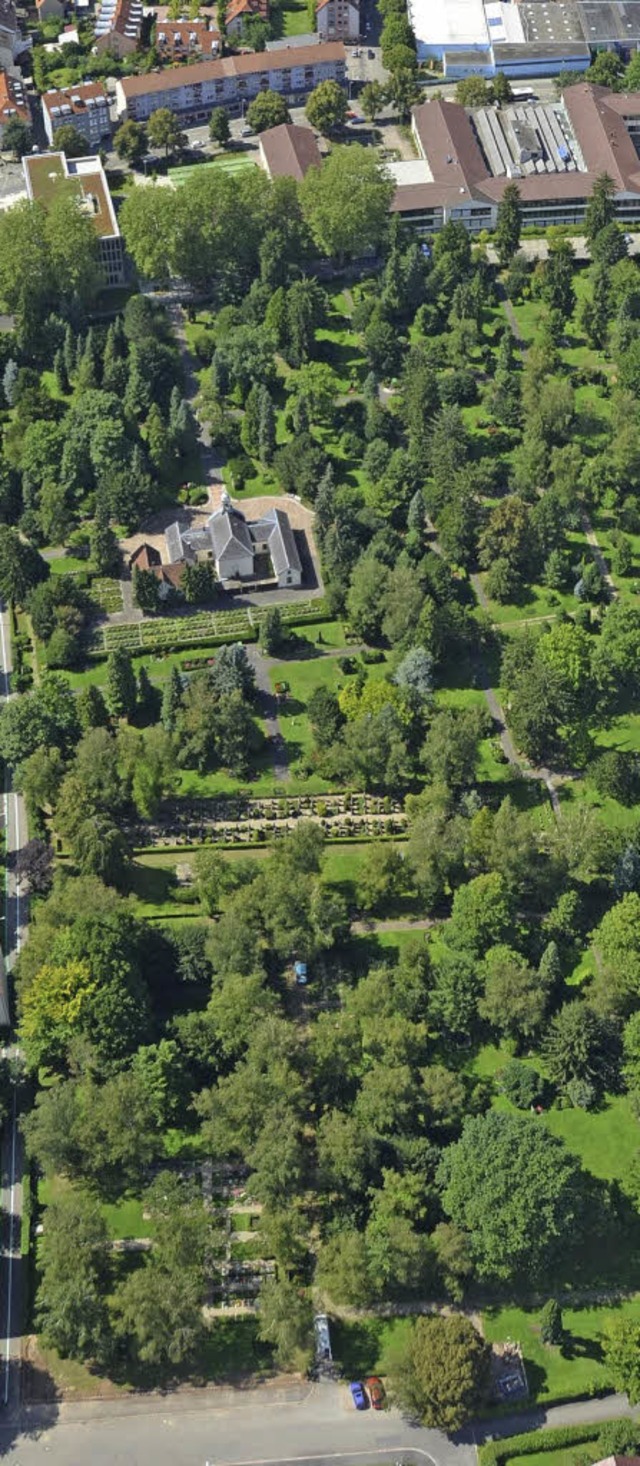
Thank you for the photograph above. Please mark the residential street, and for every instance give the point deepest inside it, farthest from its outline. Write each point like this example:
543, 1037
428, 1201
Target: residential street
265, 1427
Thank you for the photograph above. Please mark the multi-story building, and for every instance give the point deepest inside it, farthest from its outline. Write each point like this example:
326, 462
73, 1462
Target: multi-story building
178, 40
338, 20
85, 107
11, 40
231, 82
46, 173
553, 152
119, 27
240, 10
13, 102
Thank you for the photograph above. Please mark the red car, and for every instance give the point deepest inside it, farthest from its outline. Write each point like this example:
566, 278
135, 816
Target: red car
376, 1392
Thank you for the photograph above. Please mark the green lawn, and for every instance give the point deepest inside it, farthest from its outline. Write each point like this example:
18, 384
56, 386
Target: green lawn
227, 162
124, 1218
606, 1140
560, 1373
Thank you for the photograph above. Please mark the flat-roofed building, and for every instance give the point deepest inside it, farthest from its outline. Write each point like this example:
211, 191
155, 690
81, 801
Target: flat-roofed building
554, 153
13, 102
85, 107
231, 81
47, 173
480, 37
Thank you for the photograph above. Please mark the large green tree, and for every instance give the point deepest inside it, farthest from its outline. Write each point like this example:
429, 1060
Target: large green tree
440, 1373
346, 202
516, 1191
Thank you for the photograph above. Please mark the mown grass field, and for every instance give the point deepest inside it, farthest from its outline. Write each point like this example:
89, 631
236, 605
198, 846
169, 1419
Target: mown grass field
567, 1371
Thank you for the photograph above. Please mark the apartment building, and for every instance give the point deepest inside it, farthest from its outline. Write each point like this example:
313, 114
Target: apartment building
11, 40
338, 20
553, 152
231, 81
46, 173
179, 40
119, 27
13, 102
85, 107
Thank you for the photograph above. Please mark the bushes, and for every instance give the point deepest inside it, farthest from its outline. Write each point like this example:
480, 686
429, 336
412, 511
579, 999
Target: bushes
498, 1453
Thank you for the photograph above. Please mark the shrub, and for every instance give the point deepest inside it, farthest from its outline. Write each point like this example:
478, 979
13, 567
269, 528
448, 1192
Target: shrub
497, 1453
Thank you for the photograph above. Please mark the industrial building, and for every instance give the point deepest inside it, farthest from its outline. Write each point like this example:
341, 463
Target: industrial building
553, 152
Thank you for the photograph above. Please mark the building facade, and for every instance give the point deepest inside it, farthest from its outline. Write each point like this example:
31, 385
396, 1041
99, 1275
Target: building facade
241, 549
84, 107
238, 11
553, 152
119, 27
11, 41
338, 20
231, 82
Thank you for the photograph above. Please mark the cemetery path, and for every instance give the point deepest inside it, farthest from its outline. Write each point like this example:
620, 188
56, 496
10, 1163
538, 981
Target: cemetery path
269, 711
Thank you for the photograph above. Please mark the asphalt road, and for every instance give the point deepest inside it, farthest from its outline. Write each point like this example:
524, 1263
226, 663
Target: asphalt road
319, 1425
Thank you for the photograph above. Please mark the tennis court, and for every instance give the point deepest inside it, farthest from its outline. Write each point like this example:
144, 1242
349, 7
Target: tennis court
227, 164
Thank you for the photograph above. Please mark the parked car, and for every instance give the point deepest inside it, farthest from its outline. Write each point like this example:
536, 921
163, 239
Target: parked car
246, 131
371, 55
358, 1395
376, 1392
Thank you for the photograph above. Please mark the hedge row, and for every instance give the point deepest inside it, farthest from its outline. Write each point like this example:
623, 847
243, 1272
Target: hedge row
497, 1453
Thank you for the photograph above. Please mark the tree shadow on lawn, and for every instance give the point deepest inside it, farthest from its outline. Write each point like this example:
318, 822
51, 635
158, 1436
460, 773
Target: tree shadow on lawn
356, 1343
575, 1347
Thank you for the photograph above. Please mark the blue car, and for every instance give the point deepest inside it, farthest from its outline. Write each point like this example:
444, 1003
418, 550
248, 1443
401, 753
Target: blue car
358, 1395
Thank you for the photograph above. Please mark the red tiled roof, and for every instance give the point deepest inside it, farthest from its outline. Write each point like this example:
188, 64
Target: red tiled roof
13, 102
245, 65
90, 89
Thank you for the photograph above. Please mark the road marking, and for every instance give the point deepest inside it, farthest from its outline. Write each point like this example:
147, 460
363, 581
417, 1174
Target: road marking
335, 1456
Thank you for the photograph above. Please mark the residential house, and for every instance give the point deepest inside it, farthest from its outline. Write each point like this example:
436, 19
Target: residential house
13, 102
85, 107
46, 174
238, 11
338, 20
288, 151
119, 27
230, 81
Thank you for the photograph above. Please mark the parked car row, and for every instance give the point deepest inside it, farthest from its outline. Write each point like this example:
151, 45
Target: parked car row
371, 1392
